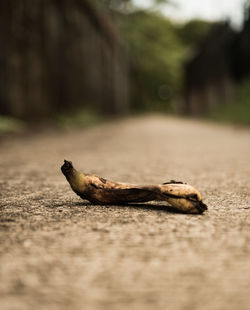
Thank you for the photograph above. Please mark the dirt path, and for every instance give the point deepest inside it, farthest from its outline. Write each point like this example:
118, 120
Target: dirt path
58, 252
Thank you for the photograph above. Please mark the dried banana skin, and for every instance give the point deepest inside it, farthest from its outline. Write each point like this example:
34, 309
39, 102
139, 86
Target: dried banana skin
181, 197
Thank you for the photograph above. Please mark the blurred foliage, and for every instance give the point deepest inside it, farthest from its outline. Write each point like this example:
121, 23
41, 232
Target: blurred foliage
236, 111
10, 125
83, 117
193, 31
157, 56
158, 50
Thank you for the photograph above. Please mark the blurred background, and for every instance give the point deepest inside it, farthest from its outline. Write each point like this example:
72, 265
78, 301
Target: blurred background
76, 62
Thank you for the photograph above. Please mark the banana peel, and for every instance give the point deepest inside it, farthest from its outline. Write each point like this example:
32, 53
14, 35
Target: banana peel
97, 190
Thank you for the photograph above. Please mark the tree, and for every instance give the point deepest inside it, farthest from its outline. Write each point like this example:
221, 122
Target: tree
157, 56
193, 31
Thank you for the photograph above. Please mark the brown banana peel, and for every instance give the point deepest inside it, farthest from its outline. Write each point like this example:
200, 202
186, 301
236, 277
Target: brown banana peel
97, 190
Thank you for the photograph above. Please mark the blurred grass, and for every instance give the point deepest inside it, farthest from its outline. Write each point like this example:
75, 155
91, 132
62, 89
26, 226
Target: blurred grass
80, 118
236, 111
10, 125
232, 113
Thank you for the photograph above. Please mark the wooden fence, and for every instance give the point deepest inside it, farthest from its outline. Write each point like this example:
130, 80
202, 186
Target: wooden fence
57, 55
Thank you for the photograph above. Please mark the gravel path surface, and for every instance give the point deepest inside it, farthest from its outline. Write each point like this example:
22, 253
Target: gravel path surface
60, 252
